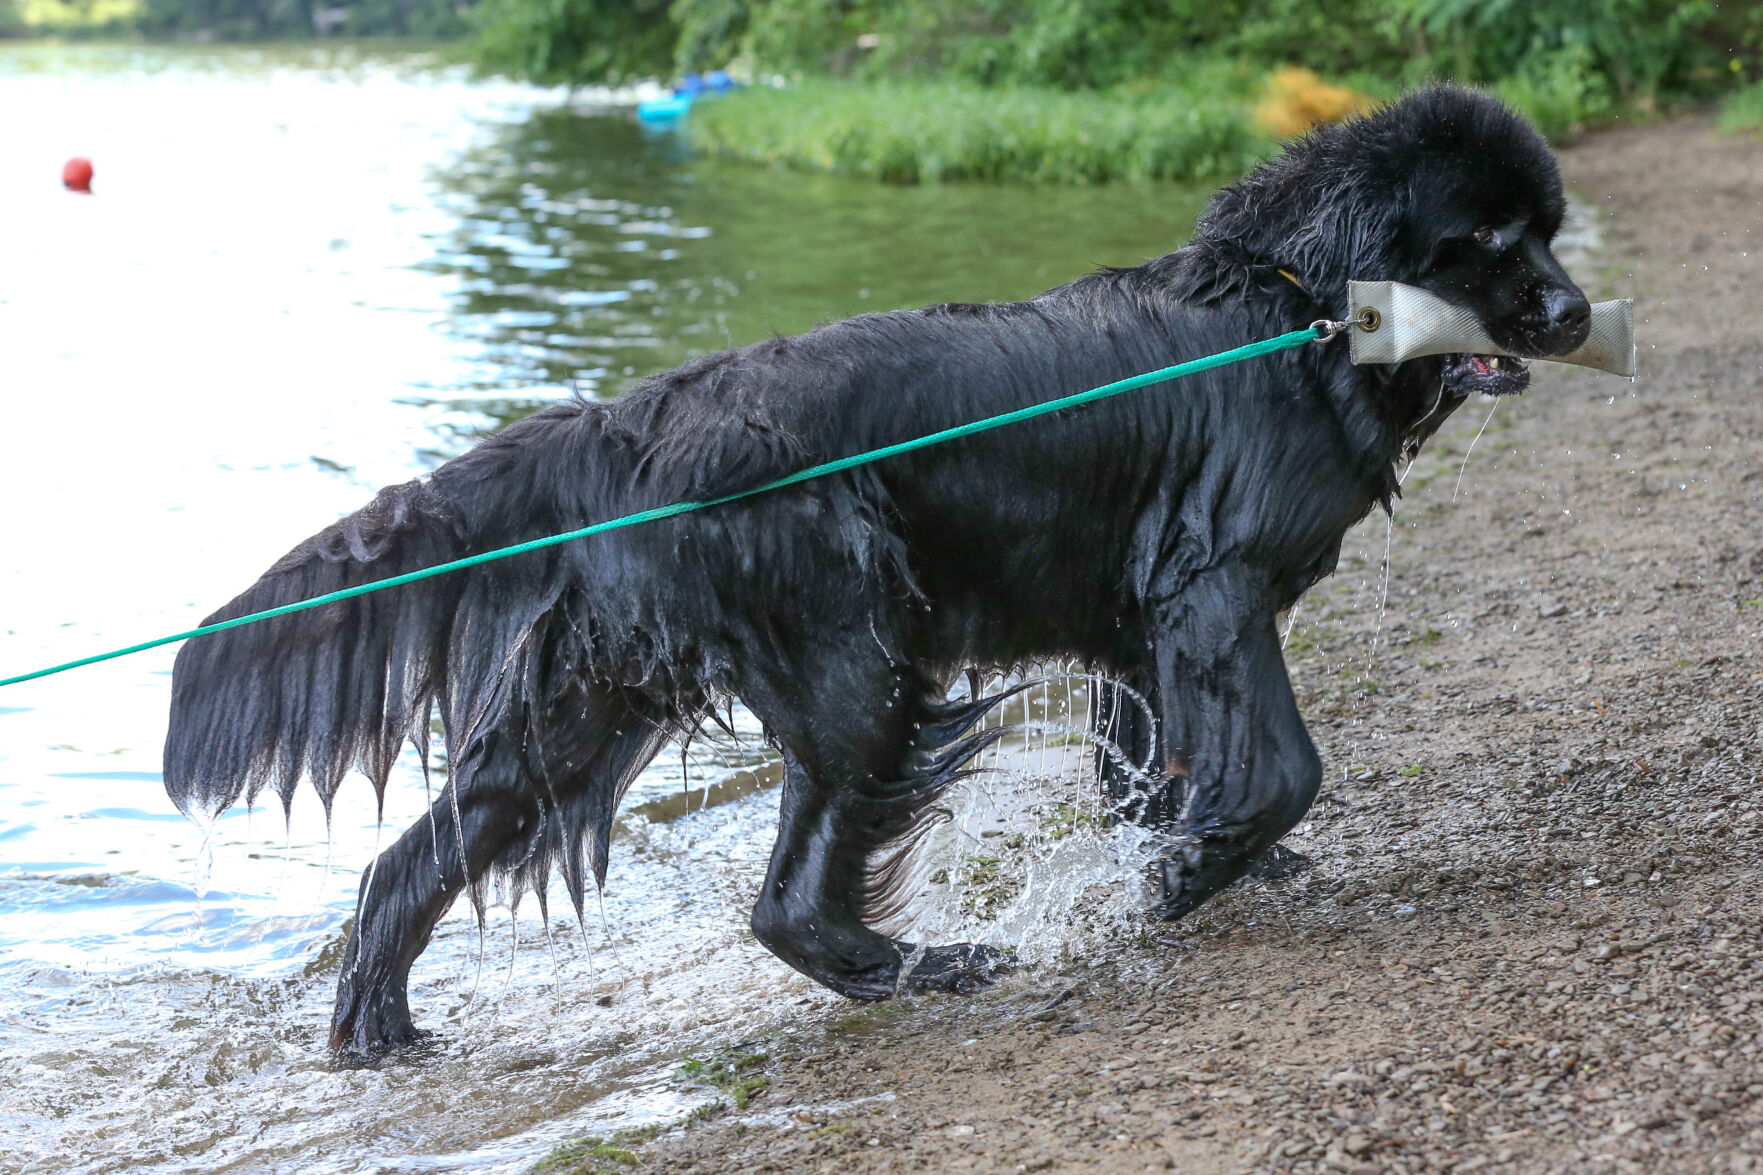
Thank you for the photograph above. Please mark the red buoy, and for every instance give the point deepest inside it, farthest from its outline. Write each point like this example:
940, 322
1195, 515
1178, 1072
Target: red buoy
76, 175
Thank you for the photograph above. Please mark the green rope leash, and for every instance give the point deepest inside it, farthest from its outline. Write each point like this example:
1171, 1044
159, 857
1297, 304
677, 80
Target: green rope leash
1316, 332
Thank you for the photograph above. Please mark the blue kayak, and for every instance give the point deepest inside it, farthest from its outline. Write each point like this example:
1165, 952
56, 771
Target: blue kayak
666, 109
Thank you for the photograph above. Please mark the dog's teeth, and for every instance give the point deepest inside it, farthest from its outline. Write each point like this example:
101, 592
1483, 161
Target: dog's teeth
1494, 363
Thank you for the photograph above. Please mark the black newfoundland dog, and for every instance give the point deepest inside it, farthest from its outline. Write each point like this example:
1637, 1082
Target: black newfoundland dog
1154, 536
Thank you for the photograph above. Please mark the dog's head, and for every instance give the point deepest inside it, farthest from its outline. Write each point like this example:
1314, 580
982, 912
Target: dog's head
1446, 189
1485, 204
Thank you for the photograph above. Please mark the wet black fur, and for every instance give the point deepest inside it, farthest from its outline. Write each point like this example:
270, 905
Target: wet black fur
1154, 536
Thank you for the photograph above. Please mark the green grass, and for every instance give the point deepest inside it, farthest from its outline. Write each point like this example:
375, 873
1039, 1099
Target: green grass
983, 889
1066, 819
706, 1112
1742, 110
925, 132
732, 1072
596, 1156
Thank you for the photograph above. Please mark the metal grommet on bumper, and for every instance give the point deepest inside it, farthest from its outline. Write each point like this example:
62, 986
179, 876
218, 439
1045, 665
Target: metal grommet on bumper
1368, 319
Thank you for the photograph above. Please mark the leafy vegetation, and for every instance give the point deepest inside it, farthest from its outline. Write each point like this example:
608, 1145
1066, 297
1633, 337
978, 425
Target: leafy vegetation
1594, 52
1084, 91
575, 41
236, 20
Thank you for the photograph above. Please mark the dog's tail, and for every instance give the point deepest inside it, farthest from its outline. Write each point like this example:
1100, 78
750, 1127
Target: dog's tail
319, 693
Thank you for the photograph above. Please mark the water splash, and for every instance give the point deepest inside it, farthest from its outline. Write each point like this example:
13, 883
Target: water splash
204, 871
1031, 857
1051, 880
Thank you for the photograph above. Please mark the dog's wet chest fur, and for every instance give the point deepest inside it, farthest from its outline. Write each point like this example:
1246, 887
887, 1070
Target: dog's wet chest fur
1074, 580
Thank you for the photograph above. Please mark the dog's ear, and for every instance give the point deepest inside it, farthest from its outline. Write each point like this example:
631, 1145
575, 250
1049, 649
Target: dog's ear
1347, 202
1317, 211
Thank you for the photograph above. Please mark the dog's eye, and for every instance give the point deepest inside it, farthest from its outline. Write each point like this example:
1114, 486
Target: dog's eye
1486, 237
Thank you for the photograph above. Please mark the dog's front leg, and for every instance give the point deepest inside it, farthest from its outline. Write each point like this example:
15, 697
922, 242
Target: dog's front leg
1232, 728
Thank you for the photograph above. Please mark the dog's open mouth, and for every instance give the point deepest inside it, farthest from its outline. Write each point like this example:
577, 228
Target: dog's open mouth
1488, 375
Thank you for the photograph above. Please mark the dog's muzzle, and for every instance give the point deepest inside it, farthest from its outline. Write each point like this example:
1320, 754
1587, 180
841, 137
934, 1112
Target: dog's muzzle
1392, 322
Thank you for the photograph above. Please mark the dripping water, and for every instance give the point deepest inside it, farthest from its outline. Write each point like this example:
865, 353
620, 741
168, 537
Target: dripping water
1465, 466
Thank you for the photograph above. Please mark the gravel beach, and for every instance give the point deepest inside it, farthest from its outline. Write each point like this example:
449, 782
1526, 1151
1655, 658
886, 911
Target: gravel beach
1529, 942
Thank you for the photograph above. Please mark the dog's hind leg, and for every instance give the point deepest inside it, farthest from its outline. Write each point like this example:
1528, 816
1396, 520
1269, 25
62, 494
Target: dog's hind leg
867, 746
1229, 720
512, 807
409, 887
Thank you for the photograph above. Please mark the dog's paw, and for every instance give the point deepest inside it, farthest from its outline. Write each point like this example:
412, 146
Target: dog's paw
372, 1023
962, 968
1194, 871
411, 1044
1278, 864
1171, 897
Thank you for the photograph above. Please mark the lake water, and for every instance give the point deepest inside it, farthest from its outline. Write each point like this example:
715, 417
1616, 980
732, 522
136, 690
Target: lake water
305, 274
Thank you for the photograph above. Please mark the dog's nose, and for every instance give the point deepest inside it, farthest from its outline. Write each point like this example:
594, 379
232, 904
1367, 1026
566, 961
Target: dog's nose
1569, 313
